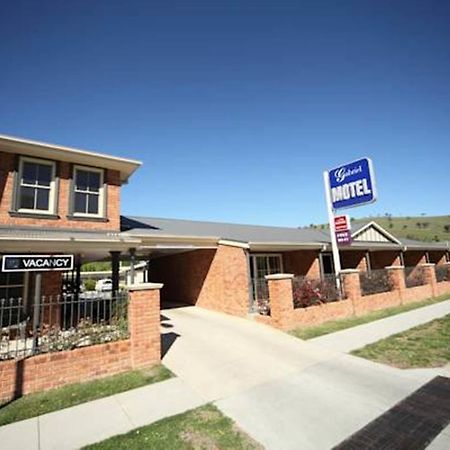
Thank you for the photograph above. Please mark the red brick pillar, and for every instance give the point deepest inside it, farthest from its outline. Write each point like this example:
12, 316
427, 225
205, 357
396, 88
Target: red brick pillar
429, 275
351, 284
281, 299
396, 276
144, 324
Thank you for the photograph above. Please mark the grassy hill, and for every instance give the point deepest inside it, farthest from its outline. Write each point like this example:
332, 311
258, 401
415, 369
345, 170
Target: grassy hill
422, 228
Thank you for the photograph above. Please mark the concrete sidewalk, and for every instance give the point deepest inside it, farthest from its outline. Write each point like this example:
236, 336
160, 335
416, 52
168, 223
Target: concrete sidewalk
75, 427
356, 337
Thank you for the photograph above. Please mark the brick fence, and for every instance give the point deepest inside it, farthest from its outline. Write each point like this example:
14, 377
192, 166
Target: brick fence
47, 371
284, 316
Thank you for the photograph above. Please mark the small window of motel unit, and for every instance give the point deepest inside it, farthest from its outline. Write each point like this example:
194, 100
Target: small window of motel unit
36, 186
88, 192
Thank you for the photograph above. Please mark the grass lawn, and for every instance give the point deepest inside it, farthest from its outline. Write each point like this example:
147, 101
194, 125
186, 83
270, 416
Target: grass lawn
33, 405
201, 428
427, 345
342, 324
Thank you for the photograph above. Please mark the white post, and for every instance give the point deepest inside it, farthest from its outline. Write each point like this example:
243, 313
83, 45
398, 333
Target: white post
334, 245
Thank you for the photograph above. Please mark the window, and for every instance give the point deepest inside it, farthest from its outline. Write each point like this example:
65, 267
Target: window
11, 285
36, 191
88, 192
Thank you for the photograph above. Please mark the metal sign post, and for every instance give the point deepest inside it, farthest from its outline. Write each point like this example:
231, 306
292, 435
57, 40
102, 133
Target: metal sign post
334, 245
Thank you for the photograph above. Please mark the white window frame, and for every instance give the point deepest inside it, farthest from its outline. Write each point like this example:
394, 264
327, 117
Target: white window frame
101, 191
52, 188
265, 255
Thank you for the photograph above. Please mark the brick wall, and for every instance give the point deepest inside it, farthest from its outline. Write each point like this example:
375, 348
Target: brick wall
212, 279
302, 262
384, 258
353, 260
64, 170
285, 317
48, 371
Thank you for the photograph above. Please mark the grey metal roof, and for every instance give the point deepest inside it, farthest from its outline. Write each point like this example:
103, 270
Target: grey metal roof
152, 226
423, 244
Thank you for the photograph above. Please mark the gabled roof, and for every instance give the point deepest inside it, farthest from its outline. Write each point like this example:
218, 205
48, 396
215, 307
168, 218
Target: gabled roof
11, 144
260, 237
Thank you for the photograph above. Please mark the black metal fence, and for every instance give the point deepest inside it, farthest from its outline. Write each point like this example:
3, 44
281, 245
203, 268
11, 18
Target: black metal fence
414, 276
261, 301
313, 291
374, 282
442, 273
61, 322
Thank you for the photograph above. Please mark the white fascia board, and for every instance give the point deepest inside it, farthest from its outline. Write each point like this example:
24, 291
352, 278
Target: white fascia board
287, 245
231, 243
125, 166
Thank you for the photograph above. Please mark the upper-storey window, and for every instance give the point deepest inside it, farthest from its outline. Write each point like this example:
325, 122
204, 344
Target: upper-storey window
36, 186
88, 192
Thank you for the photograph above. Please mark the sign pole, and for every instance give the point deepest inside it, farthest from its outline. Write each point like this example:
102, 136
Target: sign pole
334, 245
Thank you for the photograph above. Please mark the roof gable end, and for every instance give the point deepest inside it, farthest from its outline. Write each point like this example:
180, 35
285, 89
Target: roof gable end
372, 232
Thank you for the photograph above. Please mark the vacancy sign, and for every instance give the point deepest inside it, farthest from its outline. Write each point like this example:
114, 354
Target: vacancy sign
352, 184
36, 263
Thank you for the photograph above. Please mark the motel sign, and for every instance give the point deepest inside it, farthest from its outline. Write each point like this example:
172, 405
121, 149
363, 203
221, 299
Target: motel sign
352, 184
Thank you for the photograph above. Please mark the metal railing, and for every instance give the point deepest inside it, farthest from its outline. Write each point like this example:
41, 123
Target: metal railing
261, 301
442, 273
375, 282
61, 322
414, 276
313, 291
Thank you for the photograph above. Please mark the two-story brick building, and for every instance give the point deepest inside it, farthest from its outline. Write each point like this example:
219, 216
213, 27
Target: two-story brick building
55, 199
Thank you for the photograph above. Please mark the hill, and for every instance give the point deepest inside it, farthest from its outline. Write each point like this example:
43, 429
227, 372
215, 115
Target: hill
422, 228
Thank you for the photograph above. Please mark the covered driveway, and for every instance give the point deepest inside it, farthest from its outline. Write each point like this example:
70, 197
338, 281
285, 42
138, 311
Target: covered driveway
284, 392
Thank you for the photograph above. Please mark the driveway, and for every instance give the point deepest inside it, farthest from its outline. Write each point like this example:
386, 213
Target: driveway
286, 393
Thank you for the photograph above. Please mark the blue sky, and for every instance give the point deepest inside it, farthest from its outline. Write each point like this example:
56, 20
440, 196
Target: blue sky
237, 107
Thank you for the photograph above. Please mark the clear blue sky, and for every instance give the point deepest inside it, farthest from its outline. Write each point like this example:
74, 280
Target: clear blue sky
237, 107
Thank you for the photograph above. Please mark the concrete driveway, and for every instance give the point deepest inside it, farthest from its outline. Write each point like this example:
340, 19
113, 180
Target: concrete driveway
286, 393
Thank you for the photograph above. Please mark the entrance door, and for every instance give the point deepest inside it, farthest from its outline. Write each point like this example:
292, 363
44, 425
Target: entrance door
260, 266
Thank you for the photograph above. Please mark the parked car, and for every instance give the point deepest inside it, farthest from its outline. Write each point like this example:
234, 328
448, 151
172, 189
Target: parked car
103, 285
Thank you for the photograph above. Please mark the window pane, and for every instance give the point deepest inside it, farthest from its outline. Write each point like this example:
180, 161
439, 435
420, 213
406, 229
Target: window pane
26, 198
93, 204
29, 173
81, 180
80, 202
15, 278
44, 174
94, 181
42, 201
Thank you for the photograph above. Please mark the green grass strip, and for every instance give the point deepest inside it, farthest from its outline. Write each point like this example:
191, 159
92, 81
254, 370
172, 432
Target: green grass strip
427, 345
33, 405
342, 324
201, 428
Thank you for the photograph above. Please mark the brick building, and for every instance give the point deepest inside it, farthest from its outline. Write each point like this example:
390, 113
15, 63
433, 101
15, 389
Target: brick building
61, 200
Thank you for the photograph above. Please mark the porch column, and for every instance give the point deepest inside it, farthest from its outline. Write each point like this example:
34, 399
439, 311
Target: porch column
115, 269
368, 263
77, 277
281, 299
430, 277
132, 262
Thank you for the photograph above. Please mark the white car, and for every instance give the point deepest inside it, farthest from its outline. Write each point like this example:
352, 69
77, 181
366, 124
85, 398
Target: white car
103, 285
